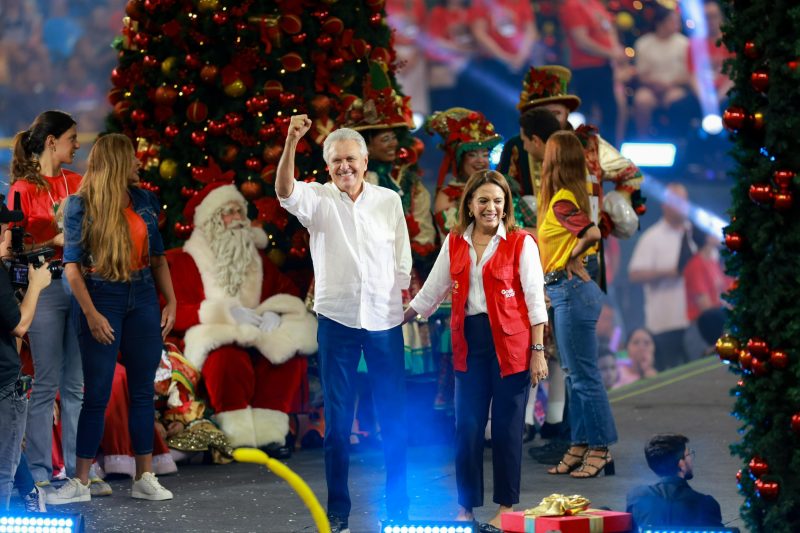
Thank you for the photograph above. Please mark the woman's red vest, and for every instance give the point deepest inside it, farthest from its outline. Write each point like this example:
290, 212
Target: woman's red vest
505, 303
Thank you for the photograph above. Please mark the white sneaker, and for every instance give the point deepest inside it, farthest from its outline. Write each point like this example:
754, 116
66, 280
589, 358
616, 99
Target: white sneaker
34, 501
148, 488
98, 487
70, 492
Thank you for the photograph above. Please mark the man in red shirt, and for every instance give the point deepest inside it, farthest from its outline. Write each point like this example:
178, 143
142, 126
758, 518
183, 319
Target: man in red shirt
594, 52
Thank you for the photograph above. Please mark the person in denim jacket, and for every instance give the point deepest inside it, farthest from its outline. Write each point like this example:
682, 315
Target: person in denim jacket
114, 261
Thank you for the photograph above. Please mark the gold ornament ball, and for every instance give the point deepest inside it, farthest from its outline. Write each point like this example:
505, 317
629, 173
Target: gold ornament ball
207, 5
727, 347
168, 66
235, 89
168, 169
625, 20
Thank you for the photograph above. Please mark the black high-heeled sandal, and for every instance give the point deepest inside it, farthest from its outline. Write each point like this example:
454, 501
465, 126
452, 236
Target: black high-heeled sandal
569, 464
588, 469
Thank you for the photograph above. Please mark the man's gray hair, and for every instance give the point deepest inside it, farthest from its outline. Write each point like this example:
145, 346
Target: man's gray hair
343, 134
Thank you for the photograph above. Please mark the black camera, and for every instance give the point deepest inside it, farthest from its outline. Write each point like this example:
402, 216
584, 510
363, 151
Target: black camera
17, 265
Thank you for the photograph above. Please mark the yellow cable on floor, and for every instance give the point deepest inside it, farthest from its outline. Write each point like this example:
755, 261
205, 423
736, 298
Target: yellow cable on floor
252, 455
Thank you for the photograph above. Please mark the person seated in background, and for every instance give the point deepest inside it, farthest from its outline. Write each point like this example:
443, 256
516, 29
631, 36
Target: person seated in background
641, 358
671, 501
662, 68
607, 363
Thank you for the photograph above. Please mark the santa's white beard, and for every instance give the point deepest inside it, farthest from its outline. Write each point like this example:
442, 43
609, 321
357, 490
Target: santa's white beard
235, 252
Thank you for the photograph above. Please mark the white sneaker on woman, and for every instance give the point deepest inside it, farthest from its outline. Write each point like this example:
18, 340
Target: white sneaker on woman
148, 488
70, 492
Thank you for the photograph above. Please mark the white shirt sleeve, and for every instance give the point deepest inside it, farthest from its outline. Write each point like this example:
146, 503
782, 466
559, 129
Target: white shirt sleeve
642, 257
532, 279
402, 245
438, 284
302, 202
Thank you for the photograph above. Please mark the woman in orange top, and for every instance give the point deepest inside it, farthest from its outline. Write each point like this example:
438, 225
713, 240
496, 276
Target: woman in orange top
41, 184
111, 230
566, 234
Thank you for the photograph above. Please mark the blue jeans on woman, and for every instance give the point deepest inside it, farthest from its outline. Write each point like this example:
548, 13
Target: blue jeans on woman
576, 305
13, 410
132, 309
57, 367
340, 349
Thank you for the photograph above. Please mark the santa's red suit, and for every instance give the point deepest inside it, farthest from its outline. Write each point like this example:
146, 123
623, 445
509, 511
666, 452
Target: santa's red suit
252, 377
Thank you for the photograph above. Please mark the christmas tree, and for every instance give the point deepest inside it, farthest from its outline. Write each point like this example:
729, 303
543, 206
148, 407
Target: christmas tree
763, 339
206, 88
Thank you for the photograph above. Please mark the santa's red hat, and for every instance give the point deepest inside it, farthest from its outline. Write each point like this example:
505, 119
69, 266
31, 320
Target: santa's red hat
205, 203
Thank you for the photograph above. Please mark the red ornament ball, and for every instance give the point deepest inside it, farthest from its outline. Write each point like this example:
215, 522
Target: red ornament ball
376, 19
761, 193
199, 138
197, 111
188, 89
759, 80
795, 424
266, 132
783, 201
767, 490
192, 61
171, 131
783, 178
336, 63
758, 348
233, 119
751, 50
209, 73
734, 118
324, 41
165, 95
220, 18
779, 359
733, 241
746, 360
229, 153
251, 189
760, 368
758, 467
253, 163
299, 38
150, 61
217, 127
139, 115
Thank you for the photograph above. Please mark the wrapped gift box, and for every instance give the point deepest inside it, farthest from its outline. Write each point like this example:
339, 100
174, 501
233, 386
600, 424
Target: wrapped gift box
589, 521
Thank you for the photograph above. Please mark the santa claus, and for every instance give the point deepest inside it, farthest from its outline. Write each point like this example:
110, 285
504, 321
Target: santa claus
241, 320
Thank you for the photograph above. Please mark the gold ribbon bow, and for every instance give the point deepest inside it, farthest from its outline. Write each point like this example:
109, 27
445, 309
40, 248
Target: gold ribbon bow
559, 505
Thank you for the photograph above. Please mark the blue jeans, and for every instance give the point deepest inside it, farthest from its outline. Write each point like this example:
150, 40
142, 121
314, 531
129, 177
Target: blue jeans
340, 349
57, 367
576, 305
132, 310
13, 408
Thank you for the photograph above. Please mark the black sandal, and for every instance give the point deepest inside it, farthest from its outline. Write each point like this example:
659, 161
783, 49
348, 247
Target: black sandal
569, 464
592, 469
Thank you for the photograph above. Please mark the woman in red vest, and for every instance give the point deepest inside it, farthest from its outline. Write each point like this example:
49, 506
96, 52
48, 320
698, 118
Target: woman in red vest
493, 273
566, 235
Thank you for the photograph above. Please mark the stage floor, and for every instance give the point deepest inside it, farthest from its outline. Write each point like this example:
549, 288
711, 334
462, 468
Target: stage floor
692, 400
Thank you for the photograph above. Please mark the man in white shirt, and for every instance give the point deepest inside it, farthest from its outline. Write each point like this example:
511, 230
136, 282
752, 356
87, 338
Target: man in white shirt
656, 264
362, 261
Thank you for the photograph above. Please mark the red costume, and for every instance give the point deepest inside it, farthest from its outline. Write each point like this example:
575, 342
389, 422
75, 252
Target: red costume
251, 377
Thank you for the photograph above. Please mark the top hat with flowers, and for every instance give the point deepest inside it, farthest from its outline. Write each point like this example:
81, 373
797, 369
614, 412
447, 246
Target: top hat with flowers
380, 107
547, 85
461, 130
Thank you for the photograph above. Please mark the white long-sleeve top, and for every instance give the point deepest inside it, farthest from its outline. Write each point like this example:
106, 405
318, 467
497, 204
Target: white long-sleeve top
439, 283
360, 250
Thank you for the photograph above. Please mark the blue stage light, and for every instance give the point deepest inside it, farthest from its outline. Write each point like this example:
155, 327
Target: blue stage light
428, 526
41, 522
650, 154
677, 529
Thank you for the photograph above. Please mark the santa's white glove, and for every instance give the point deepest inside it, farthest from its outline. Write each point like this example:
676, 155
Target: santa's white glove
243, 315
622, 215
269, 321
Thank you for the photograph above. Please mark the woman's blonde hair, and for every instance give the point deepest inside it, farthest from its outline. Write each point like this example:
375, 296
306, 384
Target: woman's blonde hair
477, 179
564, 167
105, 194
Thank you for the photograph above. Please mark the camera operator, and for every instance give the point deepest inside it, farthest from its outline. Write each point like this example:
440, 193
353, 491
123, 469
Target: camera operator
14, 322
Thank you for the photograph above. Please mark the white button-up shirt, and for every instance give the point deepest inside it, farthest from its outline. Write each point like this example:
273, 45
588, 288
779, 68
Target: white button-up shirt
360, 250
439, 283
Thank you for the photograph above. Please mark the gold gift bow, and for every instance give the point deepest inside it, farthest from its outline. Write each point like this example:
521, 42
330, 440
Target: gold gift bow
559, 505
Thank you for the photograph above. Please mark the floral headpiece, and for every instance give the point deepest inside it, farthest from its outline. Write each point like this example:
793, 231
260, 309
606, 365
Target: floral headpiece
546, 85
380, 107
461, 130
